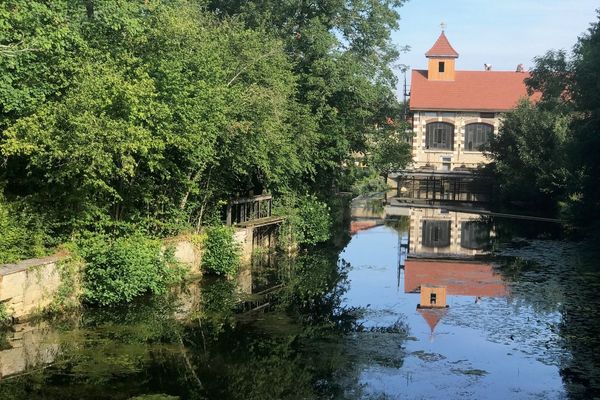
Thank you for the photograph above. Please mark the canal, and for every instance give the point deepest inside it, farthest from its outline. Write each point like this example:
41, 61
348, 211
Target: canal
344, 322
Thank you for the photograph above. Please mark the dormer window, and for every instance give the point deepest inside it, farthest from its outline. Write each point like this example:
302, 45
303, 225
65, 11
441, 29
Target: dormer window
441, 66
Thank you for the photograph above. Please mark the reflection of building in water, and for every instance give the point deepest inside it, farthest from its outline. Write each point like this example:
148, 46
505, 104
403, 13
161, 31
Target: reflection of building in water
459, 278
437, 233
366, 212
259, 282
432, 296
432, 316
363, 224
441, 254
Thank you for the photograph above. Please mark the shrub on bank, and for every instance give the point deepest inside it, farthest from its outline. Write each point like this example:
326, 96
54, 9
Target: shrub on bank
372, 183
307, 220
221, 253
118, 270
20, 237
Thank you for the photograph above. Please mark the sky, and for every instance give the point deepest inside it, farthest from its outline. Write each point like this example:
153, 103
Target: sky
503, 33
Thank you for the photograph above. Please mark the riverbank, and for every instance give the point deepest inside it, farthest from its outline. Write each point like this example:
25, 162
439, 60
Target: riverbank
32, 287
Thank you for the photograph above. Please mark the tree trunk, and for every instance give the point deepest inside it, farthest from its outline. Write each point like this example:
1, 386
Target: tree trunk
89, 8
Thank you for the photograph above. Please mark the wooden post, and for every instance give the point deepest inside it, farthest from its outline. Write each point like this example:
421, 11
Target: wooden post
229, 219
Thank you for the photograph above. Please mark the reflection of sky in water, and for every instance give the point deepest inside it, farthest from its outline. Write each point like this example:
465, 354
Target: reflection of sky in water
489, 349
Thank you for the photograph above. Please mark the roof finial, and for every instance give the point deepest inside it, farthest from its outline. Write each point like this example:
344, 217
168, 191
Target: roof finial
443, 26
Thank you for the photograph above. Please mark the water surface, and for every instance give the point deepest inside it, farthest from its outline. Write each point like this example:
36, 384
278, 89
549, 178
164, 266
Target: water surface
343, 323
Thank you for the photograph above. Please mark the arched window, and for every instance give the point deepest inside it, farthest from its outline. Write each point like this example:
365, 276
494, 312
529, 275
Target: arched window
439, 135
477, 136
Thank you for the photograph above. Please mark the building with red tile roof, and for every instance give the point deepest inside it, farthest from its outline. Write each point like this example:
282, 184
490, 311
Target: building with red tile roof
456, 112
488, 91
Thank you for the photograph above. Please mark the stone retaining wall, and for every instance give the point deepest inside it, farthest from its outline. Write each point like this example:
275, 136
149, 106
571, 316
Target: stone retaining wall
30, 286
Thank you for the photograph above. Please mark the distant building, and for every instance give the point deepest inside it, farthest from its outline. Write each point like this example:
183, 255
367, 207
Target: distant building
456, 112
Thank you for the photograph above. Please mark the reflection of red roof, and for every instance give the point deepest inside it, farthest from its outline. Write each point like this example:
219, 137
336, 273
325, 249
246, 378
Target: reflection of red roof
432, 315
356, 226
442, 48
460, 278
469, 91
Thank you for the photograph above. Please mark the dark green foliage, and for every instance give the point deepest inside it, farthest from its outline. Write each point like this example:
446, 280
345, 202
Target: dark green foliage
151, 114
585, 91
4, 318
371, 183
307, 220
221, 253
547, 154
389, 148
118, 270
529, 155
20, 235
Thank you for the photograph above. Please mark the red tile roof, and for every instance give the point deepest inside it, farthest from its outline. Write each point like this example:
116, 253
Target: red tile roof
442, 48
469, 91
460, 278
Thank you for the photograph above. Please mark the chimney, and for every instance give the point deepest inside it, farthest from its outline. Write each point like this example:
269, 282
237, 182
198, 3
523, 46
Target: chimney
487, 67
520, 68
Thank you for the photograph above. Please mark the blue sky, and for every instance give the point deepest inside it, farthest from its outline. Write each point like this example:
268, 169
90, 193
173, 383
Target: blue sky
503, 33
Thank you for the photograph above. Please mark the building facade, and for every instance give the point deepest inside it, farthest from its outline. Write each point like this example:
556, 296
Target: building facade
456, 112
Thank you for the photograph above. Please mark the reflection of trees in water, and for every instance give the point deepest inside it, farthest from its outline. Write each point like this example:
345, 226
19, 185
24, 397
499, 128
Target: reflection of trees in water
104, 353
300, 348
313, 295
551, 276
400, 224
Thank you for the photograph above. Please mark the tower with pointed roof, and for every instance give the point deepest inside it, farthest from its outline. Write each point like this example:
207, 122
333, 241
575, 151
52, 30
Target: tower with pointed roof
442, 56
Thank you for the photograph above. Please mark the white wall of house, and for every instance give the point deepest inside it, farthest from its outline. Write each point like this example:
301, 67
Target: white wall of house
446, 159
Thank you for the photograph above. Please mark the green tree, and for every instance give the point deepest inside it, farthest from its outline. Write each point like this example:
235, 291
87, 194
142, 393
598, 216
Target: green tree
118, 270
37, 55
529, 155
342, 55
548, 152
585, 92
389, 149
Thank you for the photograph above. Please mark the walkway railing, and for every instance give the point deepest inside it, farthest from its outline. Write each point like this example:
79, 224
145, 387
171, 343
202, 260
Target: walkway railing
244, 210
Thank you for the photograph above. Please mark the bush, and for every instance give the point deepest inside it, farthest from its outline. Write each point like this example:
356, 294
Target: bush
118, 270
372, 183
221, 253
307, 222
20, 238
